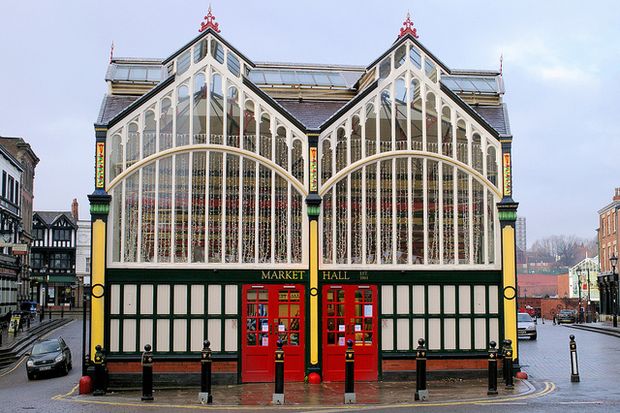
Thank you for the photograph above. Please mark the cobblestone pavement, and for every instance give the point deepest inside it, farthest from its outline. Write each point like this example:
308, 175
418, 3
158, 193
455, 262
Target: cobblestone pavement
548, 358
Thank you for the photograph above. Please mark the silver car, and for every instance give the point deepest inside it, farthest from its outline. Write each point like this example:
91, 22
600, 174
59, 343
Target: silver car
526, 326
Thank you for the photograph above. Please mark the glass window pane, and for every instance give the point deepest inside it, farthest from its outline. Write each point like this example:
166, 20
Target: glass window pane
137, 73
337, 79
321, 79
121, 73
289, 77
273, 77
305, 78
257, 76
233, 64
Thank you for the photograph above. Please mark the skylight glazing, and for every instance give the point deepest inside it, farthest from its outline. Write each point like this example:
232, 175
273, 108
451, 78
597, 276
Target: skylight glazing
137, 73
297, 77
471, 84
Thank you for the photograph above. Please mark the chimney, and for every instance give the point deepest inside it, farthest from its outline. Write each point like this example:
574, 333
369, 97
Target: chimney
74, 209
617, 195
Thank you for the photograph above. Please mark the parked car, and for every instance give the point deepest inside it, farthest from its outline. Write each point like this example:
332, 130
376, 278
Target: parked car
567, 316
49, 356
526, 326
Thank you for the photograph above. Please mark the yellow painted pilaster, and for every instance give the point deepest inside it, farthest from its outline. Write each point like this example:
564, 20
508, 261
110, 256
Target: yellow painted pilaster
314, 287
510, 286
98, 285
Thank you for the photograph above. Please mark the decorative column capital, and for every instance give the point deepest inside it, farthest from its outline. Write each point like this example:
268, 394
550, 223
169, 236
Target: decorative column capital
99, 204
507, 211
314, 205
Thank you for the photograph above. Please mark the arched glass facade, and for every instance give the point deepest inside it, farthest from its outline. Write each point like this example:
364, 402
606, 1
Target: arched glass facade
207, 174
404, 179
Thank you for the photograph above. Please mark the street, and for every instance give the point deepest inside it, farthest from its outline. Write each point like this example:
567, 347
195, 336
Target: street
546, 361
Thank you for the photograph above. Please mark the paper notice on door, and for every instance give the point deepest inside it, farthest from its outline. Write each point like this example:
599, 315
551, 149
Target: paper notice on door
368, 310
341, 327
358, 327
264, 328
281, 327
341, 341
265, 342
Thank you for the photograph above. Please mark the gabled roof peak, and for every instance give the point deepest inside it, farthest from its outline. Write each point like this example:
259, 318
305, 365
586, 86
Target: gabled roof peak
209, 23
408, 28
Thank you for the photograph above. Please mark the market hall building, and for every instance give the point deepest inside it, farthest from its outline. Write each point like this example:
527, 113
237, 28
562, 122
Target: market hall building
246, 203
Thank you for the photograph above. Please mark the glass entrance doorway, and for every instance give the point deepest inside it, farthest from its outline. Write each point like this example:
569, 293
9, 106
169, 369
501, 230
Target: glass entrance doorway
272, 313
350, 313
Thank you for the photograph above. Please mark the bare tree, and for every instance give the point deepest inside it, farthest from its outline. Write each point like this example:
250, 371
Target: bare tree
562, 251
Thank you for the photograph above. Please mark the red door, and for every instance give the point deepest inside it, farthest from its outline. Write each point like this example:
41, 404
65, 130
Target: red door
272, 312
350, 313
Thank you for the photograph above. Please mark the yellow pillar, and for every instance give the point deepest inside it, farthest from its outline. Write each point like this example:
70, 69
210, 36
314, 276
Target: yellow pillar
509, 276
97, 285
314, 289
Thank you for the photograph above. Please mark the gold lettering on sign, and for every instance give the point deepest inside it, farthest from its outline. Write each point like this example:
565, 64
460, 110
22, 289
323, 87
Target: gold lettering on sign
282, 275
335, 276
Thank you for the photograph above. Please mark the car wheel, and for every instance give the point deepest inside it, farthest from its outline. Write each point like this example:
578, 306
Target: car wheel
65, 369
534, 337
71, 365
30, 376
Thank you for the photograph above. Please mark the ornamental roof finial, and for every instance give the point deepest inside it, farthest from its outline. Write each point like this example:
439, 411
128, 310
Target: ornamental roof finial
408, 28
209, 23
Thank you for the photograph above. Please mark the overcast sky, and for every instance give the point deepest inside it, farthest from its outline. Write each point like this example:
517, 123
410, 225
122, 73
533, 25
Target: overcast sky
561, 70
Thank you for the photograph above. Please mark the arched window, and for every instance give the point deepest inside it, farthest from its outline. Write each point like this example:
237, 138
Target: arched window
327, 203
149, 136
431, 124
370, 130
265, 136
492, 165
165, 124
216, 110
249, 127
400, 109
182, 124
199, 125
461, 142
149, 194
385, 122
416, 116
116, 155
281, 147
342, 197
132, 149
400, 55
446, 132
233, 117
356, 139
476, 152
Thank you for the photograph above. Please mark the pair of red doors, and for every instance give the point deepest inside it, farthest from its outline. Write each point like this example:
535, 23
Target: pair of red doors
277, 312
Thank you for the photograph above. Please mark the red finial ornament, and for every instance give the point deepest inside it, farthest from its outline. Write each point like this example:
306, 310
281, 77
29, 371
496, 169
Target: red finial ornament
209, 23
408, 28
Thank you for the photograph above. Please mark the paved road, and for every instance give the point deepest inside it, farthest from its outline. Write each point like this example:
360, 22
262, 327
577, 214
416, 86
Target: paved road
546, 360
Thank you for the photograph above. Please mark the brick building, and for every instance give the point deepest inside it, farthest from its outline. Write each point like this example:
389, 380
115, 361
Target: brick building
609, 239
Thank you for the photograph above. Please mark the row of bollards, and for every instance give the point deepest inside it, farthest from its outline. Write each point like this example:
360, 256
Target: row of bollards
205, 395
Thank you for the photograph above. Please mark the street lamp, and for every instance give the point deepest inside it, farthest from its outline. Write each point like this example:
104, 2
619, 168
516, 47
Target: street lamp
45, 286
614, 262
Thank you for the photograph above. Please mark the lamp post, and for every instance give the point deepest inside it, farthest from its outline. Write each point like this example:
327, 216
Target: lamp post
589, 314
45, 286
614, 262
579, 286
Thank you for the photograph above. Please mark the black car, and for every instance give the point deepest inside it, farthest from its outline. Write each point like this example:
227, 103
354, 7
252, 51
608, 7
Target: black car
49, 356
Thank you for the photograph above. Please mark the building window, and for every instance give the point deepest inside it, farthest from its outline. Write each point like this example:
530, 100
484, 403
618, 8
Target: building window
62, 235
36, 260
87, 269
38, 234
60, 261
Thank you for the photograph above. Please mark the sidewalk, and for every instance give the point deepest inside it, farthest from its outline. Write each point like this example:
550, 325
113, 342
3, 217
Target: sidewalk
600, 327
318, 395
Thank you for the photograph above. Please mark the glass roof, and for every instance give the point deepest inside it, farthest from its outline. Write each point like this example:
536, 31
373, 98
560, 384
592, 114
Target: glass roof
471, 84
137, 73
297, 77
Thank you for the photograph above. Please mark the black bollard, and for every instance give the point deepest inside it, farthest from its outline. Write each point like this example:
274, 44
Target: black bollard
28, 322
49, 313
205, 395
421, 393
508, 361
574, 365
502, 355
100, 379
0, 336
278, 394
62, 311
349, 374
492, 391
147, 374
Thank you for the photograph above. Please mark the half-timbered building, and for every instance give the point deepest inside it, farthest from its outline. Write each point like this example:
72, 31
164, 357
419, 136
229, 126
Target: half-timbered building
246, 203
53, 256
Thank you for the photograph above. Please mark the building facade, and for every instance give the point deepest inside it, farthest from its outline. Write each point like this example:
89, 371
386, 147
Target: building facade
608, 241
246, 203
53, 257
82, 259
28, 160
10, 228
